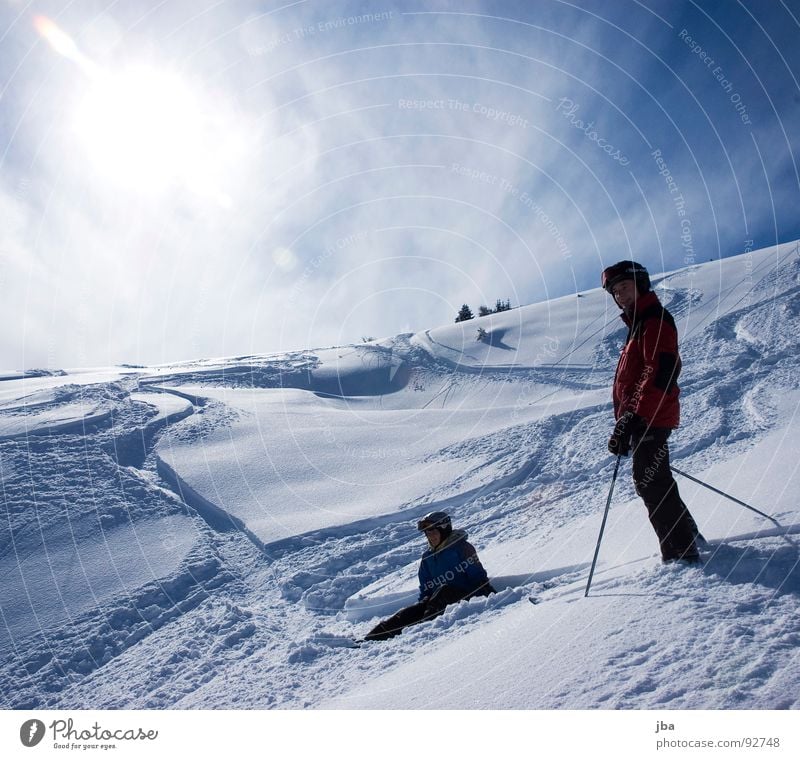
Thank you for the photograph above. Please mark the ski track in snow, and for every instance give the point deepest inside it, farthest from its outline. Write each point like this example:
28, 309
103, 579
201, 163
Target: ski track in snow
132, 580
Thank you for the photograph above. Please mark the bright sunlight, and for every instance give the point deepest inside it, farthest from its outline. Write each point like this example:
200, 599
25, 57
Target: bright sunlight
143, 127
147, 129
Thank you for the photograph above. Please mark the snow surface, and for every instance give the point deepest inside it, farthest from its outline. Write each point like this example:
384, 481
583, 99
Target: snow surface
212, 534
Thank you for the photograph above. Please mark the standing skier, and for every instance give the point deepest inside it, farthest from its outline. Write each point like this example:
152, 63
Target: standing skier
646, 406
450, 571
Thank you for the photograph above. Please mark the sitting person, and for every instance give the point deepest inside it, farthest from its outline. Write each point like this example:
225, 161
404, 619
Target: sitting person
450, 571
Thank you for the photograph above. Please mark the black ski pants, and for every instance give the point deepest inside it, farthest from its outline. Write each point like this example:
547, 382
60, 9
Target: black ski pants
422, 611
673, 524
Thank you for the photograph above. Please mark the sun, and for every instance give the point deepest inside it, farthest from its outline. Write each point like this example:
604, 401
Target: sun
144, 127
147, 128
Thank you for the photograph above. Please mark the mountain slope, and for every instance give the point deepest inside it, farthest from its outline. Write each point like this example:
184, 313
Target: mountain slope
210, 534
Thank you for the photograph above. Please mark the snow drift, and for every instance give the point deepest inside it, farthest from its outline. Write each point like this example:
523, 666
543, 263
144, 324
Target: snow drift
212, 534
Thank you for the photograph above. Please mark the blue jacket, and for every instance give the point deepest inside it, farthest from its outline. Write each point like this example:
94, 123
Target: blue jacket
455, 563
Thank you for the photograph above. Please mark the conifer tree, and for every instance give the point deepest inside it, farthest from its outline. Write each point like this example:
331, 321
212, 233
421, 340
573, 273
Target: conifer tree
465, 314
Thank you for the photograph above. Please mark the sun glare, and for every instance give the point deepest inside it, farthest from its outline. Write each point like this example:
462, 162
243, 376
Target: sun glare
143, 127
146, 128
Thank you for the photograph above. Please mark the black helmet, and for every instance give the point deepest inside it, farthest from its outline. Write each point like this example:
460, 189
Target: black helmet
626, 270
438, 520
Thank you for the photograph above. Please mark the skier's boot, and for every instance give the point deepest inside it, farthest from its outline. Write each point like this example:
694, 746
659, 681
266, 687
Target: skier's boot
689, 555
381, 632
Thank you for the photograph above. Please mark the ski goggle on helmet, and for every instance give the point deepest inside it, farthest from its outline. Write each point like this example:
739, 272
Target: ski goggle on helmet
436, 520
623, 270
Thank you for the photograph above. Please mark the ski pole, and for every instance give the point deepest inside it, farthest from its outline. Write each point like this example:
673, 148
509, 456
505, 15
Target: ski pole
725, 495
602, 526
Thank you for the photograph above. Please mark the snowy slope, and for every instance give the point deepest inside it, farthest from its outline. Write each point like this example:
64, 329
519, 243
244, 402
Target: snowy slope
210, 534
652, 636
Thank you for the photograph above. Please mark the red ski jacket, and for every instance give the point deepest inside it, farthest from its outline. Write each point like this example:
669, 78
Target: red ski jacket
646, 381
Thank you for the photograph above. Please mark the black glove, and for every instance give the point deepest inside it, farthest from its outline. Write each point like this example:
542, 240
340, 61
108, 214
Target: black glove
620, 441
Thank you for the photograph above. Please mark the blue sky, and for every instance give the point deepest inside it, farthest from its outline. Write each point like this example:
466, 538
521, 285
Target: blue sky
200, 179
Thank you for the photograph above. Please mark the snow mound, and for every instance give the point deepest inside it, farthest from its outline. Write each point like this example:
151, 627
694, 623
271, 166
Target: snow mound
216, 533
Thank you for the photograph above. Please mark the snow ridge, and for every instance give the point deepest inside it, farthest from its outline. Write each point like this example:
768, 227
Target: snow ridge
214, 534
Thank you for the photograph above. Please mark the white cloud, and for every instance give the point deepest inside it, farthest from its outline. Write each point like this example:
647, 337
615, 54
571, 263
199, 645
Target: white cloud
348, 172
